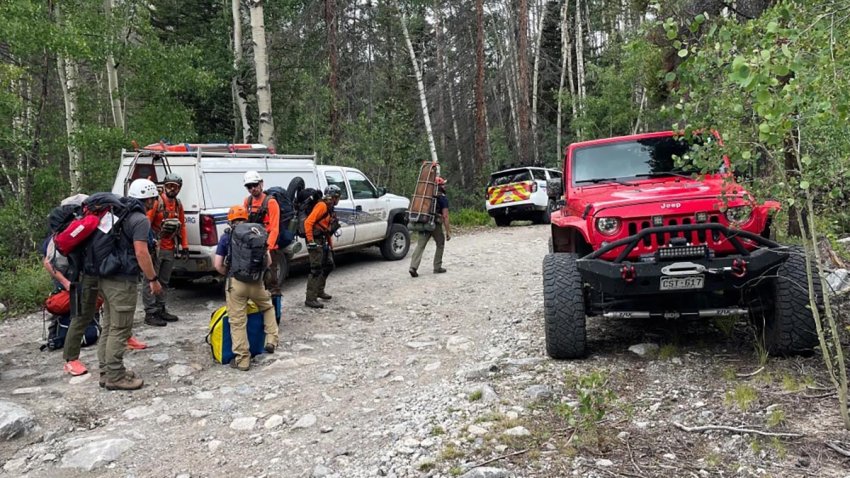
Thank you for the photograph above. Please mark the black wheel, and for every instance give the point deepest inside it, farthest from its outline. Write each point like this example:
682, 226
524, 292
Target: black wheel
563, 307
397, 243
284, 268
544, 217
789, 325
503, 221
295, 187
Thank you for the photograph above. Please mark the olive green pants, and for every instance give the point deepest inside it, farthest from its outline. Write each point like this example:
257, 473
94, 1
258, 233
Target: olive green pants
119, 305
163, 263
79, 323
273, 276
321, 266
424, 237
238, 293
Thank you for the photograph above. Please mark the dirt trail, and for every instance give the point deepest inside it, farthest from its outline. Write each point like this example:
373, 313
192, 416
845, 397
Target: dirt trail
403, 377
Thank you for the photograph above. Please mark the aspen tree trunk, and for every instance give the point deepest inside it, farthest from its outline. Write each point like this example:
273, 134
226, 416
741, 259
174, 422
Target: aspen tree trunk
579, 45
330, 23
480, 103
535, 82
261, 65
441, 78
68, 79
449, 89
112, 76
421, 87
236, 85
522, 86
506, 65
565, 46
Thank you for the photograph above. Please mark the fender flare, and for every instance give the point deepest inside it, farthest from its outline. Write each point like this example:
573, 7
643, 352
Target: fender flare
396, 216
569, 234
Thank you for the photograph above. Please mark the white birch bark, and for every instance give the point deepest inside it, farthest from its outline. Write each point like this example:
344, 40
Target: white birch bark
579, 39
68, 79
238, 92
534, 84
261, 66
506, 65
565, 38
444, 69
421, 87
112, 77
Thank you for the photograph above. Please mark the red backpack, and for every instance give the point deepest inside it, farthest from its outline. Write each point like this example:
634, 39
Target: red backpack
80, 229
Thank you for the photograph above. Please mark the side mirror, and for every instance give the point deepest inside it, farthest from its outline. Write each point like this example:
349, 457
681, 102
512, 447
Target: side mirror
554, 188
382, 191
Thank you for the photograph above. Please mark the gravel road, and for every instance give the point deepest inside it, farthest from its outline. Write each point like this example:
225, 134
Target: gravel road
405, 377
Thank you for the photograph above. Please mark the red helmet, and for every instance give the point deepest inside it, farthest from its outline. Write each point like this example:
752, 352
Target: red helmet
440, 181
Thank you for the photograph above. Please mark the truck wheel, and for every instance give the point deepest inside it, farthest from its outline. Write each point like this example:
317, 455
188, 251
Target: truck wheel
396, 244
295, 187
503, 221
563, 307
789, 325
546, 216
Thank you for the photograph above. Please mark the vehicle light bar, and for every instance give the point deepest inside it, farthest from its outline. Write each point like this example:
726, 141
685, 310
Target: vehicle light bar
682, 252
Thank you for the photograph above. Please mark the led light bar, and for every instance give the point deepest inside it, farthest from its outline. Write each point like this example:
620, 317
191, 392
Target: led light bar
684, 252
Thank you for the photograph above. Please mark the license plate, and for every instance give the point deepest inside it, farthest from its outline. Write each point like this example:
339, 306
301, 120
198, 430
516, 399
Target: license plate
682, 283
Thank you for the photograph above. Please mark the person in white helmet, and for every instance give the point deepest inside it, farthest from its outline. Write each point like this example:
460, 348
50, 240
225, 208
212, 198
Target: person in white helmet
264, 210
117, 254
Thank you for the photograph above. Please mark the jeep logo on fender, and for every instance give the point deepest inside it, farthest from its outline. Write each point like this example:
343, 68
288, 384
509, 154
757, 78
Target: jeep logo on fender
671, 205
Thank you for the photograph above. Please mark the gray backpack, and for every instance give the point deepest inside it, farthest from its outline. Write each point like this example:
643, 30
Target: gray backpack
248, 251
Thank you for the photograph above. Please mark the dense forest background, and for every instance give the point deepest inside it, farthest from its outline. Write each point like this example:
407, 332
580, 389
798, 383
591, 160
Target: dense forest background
384, 85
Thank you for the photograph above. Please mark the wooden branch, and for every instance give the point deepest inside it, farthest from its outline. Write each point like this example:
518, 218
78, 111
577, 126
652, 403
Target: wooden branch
753, 374
491, 460
632, 457
737, 430
841, 451
823, 395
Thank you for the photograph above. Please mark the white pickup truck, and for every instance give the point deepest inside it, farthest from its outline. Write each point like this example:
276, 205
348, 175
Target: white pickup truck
212, 182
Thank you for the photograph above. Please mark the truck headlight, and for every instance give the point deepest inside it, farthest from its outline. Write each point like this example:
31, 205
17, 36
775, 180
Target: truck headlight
739, 214
607, 225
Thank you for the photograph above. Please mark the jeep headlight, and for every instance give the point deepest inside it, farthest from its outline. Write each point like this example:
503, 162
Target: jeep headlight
607, 225
739, 214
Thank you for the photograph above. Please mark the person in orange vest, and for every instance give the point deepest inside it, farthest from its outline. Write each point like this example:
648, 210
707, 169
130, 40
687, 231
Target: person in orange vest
168, 222
264, 210
319, 227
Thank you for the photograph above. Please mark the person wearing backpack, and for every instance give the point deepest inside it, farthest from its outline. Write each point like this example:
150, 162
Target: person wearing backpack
442, 224
263, 209
168, 222
319, 228
242, 257
116, 254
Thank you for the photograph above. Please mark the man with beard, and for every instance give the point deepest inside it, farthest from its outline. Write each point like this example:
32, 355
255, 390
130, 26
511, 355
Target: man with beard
168, 222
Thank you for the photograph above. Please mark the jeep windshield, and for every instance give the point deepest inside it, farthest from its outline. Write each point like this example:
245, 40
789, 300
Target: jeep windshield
643, 158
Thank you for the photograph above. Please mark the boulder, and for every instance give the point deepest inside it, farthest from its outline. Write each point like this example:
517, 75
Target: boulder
14, 420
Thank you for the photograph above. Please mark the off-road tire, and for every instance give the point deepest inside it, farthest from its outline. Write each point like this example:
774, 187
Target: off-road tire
392, 249
789, 325
563, 307
544, 217
502, 221
295, 187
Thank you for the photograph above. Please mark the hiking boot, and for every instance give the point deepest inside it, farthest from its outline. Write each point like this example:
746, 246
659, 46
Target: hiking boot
127, 373
75, 368
135, 344
155, 320
314, 304
439, 270
413, 272
235, 365
125, 383
269, 348
168, 317
324, 296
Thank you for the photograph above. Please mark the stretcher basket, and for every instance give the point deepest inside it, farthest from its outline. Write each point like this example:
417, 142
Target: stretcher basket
423, 207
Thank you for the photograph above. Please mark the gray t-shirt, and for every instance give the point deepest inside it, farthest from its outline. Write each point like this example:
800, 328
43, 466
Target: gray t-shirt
59, 262
137, 227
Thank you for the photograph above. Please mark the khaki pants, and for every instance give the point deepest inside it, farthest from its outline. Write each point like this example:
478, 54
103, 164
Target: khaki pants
163, 264
238, 293
79, 323
424, 236
119, 305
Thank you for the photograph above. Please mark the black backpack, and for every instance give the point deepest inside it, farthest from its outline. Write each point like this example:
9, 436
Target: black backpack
287, 212
112, 253
305, 201
61, 216
247, 254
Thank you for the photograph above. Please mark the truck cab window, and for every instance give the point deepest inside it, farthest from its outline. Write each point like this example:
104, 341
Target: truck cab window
335, 178
361, 188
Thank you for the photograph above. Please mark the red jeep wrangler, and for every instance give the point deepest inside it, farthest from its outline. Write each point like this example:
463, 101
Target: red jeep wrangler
639, 237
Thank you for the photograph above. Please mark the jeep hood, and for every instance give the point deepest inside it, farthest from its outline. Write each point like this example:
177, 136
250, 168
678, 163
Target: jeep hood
672, 191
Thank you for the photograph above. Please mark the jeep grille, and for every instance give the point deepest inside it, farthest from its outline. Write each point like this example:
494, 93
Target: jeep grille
653, 241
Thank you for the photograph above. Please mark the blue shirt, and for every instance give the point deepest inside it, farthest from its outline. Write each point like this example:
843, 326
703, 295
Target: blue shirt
223, 245
442, 203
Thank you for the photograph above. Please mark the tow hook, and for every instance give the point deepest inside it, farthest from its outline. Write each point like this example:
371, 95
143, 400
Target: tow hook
739, 268
627, 272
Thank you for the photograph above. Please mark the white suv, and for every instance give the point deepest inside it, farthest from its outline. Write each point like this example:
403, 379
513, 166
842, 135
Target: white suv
520, 194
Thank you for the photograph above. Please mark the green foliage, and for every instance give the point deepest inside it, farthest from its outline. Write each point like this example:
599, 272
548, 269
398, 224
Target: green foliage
776, 417
469, 217
594, 400
24, 285
743, 396
475, 396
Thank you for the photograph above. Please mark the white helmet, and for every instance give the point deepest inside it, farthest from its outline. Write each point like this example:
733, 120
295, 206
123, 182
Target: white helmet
251, 177
142, 189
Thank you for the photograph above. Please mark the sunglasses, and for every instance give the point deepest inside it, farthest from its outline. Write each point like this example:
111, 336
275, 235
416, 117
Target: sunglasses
251, 186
